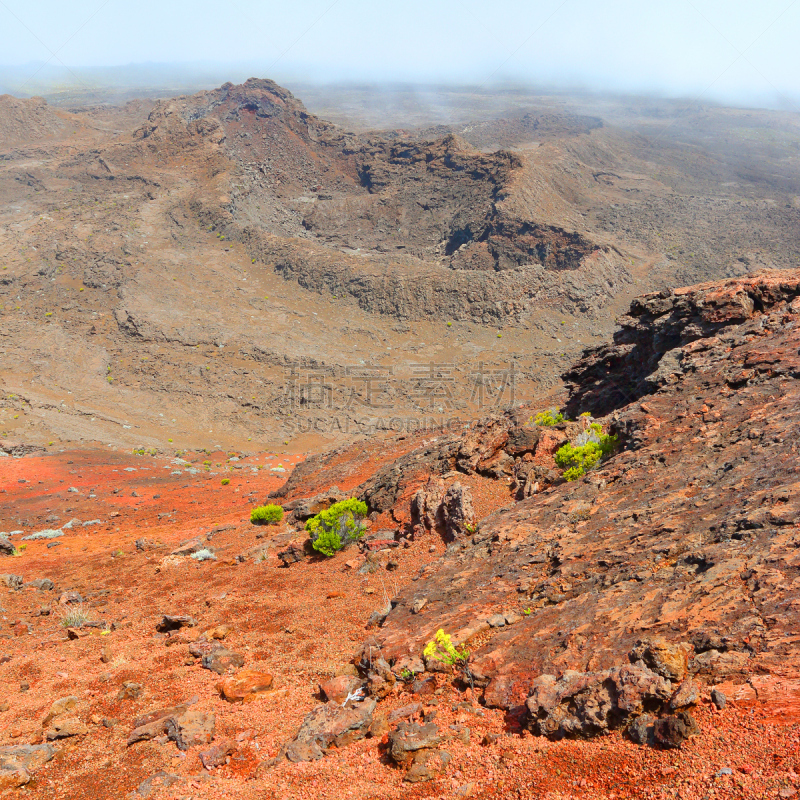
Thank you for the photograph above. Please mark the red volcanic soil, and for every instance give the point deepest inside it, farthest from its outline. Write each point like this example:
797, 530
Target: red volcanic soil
302, 625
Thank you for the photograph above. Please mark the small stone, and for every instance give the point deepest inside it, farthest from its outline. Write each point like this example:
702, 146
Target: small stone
641, 729
59, 708
130, 691
217, 755
221, 660
419, 604
718, 699
218, 632
245, 686
339, 688
64, 728
673, 731
497, 621
175, 622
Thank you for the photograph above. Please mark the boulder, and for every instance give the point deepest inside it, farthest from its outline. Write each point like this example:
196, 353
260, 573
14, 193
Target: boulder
458, 513
340, 687
291, 555
410, 737
685, 696
17, 762
329, 725
153, 724
26, 756
192, 546
584, 704
44, 584
65, 727
6, 548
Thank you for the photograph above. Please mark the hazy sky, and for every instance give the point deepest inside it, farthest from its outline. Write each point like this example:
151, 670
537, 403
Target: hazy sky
716, 48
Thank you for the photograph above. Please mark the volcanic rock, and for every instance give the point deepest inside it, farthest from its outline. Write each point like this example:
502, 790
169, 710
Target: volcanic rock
191, 728
672, 731
585, 704
175, 622
329, 725
220, 660
245, 686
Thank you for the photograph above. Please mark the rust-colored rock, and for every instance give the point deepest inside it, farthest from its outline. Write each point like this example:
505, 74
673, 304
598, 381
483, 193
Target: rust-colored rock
245, 686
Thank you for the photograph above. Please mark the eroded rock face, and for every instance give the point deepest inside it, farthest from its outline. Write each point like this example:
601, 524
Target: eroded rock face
681, 548
648, 350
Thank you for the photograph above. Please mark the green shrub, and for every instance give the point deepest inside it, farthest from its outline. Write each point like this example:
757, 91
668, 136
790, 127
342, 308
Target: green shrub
225, 481
549, 418
336, 527
328, 543
577, 460
266, 515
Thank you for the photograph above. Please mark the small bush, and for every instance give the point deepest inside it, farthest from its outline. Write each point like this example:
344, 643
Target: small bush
266, 515
577, 460
225, 481
549, 418
75, 617
204, 555
336, 527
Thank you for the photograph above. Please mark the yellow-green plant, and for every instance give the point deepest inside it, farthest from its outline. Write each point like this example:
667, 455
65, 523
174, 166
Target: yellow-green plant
266, 515
441, 648
577, 460
549, 418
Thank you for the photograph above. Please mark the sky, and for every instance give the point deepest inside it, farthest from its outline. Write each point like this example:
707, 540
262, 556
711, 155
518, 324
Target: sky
728, 50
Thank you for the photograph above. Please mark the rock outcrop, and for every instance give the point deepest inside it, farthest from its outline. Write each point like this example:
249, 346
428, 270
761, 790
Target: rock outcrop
681, 549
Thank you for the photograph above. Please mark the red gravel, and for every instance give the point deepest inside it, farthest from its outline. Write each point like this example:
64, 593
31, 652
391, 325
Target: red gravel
301, 624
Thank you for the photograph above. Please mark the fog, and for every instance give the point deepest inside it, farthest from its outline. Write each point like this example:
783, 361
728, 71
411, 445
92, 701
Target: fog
737, 53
